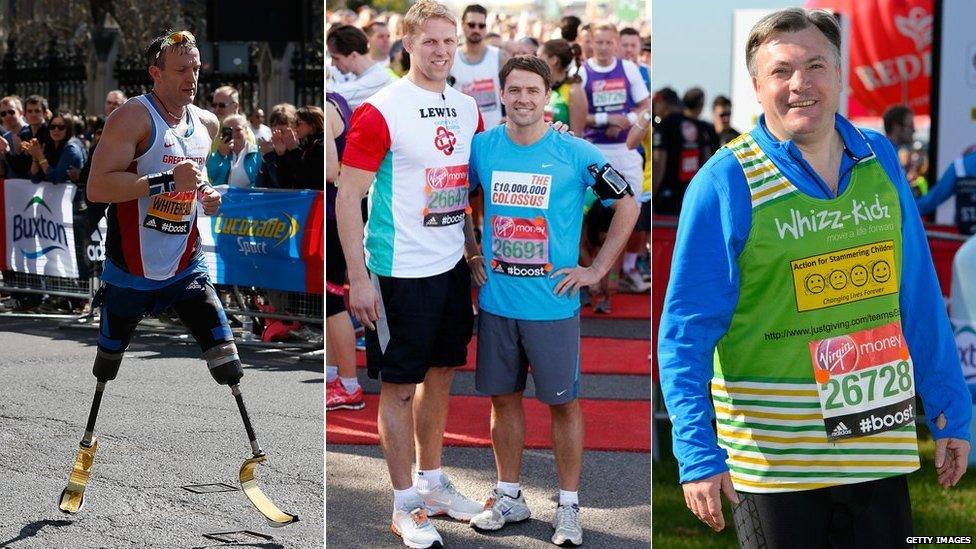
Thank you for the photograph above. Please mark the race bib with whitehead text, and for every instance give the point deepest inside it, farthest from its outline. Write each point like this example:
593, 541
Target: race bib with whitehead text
171, 213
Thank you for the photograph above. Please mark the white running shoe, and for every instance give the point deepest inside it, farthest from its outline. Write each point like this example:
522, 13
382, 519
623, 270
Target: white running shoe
415, 529
633, 282
567, 526
500, 509
446, 500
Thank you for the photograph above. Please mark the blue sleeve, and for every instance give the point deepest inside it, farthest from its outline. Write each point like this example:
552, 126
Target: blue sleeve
938, 374
588, 156
939, 193
703, 290
218, 168
71, 156
252, 165
473, 180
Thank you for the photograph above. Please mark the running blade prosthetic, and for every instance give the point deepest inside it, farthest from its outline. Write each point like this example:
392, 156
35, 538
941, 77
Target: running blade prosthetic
73, 496
276, 517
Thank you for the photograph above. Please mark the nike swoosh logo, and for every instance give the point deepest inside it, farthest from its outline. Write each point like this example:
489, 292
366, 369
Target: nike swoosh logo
546, 165
560, 393
506, 511
167, 145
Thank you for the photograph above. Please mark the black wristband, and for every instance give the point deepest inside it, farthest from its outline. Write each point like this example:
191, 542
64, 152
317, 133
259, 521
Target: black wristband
159, 183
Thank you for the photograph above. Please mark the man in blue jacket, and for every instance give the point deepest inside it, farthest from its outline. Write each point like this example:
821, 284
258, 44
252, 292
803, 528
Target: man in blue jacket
799, 230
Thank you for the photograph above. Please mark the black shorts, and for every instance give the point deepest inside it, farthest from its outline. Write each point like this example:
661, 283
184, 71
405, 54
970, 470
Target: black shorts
192, 297
867, 515
598, 222
335, 268
645, 219
423, 322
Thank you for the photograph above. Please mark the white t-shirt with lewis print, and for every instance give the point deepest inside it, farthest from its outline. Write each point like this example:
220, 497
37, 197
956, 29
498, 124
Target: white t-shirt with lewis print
418, 142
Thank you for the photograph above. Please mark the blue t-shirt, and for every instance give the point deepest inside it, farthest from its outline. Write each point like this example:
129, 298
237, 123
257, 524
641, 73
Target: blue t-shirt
533, 217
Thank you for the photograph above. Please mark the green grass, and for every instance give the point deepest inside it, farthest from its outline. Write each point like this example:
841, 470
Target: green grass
937, 512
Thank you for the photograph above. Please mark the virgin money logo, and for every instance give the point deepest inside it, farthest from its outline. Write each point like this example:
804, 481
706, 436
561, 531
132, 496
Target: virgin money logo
446, 177
837, 355
503, 227
917, 26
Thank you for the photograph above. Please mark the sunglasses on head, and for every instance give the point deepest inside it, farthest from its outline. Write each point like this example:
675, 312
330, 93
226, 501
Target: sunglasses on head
11, 112
177, 37
56, 127
476, 25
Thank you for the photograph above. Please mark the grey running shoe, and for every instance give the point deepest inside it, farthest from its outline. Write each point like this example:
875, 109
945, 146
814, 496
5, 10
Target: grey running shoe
446, 500
603, 307
414, 529
500, 509
567, 526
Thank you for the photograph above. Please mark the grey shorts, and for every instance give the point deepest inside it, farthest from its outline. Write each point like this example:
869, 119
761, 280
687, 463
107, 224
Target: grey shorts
507, 347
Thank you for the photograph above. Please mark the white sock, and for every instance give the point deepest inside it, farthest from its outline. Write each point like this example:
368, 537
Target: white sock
350, 383
630, 262
428, 480
408, 497
568, 498
510, 489
331, 372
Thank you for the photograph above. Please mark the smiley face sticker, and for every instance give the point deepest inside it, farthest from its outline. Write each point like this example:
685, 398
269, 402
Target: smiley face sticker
859, 275
881, 271
815, 283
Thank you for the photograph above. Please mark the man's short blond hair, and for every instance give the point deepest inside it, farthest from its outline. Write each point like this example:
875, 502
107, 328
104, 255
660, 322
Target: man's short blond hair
605, 26
423, 11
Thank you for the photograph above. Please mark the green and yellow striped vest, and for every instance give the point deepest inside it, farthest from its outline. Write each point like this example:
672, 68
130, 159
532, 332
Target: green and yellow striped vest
818, 290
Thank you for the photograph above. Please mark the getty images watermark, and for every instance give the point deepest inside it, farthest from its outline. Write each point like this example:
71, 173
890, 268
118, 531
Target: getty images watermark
937, 540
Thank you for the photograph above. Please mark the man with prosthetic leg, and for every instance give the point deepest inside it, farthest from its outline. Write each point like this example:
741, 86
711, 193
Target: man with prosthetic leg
150, 171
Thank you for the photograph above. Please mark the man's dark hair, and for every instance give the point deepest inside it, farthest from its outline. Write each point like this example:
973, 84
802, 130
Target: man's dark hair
629, 31
694, 99
396, 48
528, 63
474, 8
721, 101
668, 96
895, 116
370, 28
36, 100
569, 27
346, 39
155, 57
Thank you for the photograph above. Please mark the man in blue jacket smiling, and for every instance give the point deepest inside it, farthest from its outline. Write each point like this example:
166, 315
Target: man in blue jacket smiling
821, 321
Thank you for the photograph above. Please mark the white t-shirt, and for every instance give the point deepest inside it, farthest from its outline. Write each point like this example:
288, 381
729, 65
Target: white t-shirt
356, 91
638, 91
417, 142
480, 81
261, 133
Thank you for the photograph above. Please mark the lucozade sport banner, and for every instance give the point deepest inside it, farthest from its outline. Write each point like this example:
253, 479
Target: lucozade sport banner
38, 230
259, 238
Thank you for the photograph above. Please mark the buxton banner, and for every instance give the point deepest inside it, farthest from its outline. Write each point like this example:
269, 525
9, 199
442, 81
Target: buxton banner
257, 238
38, 230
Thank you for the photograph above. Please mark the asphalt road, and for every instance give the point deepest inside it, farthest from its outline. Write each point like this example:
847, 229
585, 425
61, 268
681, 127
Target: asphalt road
615, 491
164, 423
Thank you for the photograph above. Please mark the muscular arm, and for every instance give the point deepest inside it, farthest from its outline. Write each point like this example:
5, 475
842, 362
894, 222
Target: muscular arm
332, 121
578, 107
110, 180
353, 185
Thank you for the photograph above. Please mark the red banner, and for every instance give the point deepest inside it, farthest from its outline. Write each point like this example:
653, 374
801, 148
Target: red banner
890, 53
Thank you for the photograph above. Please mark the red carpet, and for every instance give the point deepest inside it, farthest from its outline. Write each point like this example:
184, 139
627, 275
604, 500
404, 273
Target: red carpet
624, 306
614, 425
598, 356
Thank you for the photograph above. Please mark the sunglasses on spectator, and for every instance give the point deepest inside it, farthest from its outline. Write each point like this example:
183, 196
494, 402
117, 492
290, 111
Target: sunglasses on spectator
724, 114
11, 112
476, 25
56, 126
220, 105
34, 111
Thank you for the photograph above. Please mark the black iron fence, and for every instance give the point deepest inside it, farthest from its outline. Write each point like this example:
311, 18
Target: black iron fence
59, 75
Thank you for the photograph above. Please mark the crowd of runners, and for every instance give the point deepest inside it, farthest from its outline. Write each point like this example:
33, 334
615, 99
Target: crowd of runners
462, 145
